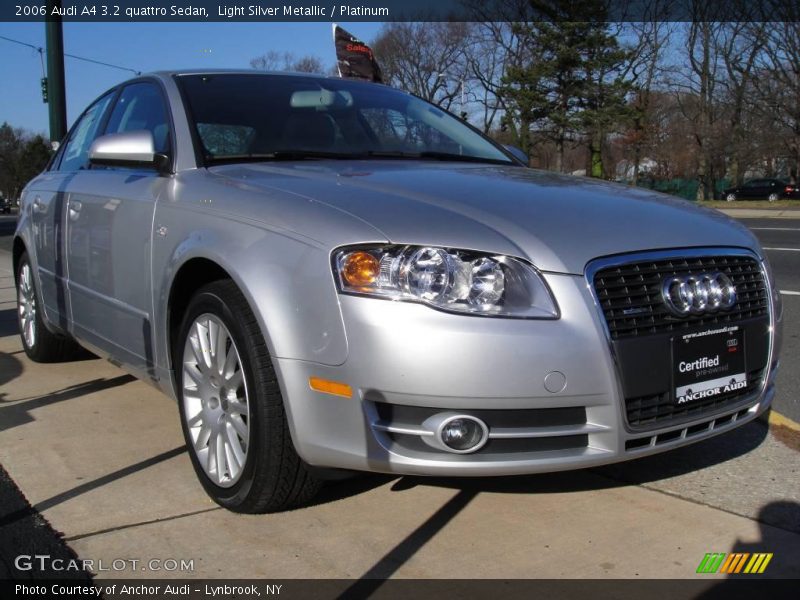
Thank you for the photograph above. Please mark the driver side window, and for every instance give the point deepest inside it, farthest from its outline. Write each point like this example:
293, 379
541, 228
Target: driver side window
141, 108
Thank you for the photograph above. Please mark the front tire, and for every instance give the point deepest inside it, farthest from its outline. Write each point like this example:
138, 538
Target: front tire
232, 411
39, 343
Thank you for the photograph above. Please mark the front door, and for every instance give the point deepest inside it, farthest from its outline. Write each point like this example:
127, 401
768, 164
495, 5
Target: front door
48, 197
109, 235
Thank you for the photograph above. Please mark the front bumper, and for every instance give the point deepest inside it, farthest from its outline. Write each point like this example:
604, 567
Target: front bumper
548, 390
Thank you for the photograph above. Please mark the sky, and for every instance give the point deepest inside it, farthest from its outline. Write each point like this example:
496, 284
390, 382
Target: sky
144, 47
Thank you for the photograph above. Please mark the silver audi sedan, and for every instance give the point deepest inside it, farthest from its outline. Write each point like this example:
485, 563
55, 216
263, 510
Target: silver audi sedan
329, 275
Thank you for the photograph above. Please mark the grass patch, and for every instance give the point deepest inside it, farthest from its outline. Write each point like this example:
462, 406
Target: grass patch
777, 205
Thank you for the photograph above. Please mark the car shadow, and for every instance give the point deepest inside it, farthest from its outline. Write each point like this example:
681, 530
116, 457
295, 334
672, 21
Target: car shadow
9, 324
10, 369
18, 411
88, 486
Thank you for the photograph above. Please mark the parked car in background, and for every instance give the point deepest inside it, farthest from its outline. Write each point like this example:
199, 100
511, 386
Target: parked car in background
328, 273
762, 189
5, 206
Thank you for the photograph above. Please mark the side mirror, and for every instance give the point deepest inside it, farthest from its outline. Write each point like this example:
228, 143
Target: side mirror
518, 154
127, 149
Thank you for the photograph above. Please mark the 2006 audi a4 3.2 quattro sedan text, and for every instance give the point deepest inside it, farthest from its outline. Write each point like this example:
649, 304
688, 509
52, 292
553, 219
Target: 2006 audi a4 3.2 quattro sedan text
332, 274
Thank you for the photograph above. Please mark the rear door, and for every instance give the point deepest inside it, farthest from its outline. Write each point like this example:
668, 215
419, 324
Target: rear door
48, 196
109, 235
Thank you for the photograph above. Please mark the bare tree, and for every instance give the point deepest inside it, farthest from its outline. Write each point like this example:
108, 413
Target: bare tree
780, 84
646, 70
286, 61
696, 91
741, 45
426, 59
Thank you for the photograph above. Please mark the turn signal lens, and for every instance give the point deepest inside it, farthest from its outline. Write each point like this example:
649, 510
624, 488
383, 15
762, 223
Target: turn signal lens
330, 387
360, 269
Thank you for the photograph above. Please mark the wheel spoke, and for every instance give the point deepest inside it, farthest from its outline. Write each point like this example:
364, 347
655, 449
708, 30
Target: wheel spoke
31, 332
205, 353
202, 438
238, 425
236, 446
194, 374
213, 336
220, 356
231, 362
234, 382
212, 464
233, 454
236, 407
220, 450
197, 351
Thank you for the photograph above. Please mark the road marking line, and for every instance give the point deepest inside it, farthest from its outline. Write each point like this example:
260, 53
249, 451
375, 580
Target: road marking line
776, 418
784, 249
775, 228
789, 293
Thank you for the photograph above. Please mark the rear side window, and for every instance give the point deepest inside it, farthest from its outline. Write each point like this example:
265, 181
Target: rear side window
76, 150
140, 107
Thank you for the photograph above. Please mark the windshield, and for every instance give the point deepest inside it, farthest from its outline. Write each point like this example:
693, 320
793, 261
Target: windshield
271, 117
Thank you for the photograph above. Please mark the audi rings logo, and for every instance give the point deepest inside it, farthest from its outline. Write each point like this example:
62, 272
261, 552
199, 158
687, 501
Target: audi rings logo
698, 294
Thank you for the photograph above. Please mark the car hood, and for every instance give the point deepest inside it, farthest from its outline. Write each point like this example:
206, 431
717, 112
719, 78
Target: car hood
556, 221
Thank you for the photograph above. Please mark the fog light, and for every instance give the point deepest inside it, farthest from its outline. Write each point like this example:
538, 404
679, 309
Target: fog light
463, 434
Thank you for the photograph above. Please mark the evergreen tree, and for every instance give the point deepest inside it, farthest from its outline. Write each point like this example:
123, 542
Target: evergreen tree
571, 86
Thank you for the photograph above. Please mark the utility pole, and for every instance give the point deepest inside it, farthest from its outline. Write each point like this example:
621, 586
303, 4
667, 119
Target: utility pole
56, 88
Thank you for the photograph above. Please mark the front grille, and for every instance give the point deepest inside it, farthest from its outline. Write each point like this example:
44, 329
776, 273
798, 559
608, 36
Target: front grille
630, 294
646, 412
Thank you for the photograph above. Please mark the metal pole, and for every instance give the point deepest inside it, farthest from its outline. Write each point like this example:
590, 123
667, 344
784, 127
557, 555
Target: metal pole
56, 87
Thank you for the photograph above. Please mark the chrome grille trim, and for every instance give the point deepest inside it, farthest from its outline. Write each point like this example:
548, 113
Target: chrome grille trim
595, 265
630, 295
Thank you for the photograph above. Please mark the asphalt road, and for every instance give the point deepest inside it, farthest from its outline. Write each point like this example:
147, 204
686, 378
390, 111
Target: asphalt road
781, 240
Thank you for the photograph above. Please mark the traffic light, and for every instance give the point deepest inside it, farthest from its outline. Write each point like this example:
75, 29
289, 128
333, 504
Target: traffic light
44, 90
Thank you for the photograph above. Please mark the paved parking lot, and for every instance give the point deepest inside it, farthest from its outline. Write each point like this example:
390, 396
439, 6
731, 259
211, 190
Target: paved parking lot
100, 456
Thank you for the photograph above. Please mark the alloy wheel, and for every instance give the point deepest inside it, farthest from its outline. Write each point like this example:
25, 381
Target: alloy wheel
215, 400
26, 304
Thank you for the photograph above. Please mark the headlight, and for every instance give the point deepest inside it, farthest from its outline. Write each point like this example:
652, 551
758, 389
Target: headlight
458, 281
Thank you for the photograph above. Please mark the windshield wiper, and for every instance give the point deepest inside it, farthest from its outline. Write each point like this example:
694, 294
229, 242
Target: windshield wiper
433, 155
279, 155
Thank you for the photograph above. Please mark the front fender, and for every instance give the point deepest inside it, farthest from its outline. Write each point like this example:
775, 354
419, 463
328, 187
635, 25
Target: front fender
287, 282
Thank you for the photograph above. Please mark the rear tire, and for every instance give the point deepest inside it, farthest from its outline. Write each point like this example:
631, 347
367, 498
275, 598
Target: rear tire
772, 197
229, 398
730, 197
39, 343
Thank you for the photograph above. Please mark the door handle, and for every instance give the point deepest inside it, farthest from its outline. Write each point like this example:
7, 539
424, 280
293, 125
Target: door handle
74, 210
38, 205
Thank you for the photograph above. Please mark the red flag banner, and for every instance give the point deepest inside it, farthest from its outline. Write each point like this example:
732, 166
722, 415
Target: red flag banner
354, 58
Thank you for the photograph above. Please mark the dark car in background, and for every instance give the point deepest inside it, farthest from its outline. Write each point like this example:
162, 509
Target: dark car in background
5, 206
762, 189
